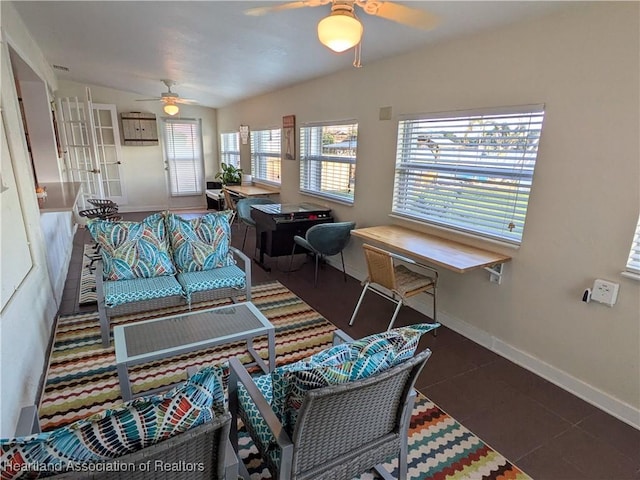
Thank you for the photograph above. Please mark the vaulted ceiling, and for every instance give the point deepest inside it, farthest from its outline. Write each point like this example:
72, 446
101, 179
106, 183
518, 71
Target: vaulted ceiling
217, 54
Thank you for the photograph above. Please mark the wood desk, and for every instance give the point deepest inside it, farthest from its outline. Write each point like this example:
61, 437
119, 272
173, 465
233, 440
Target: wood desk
251, 190
454, 256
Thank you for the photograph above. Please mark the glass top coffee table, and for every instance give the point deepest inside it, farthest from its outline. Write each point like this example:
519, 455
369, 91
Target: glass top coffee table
149, 340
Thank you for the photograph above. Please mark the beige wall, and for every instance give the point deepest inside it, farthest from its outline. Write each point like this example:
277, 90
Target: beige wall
584, 65
143, 166
27, 317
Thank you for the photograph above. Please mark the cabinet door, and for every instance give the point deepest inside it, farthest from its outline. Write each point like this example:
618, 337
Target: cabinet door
148, 129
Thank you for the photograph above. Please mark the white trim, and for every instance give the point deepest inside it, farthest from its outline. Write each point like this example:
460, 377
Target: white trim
631, 275
590, 394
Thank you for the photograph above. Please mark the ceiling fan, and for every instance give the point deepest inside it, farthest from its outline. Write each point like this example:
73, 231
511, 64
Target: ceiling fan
169, 99
342, 29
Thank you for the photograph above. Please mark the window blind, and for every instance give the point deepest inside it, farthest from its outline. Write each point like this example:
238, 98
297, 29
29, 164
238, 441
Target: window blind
328, 155
470, 171
230, 149
183, 153
633, 263
266, 151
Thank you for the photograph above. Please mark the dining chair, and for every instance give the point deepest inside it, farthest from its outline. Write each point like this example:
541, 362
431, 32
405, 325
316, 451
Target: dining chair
324, 240
401, 281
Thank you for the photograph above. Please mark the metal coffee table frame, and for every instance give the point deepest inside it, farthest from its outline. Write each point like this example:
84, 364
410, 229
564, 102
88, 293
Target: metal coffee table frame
159, 338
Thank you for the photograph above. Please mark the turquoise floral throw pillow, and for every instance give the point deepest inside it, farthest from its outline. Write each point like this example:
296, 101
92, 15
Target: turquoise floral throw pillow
201, 243
133, 249
116, 432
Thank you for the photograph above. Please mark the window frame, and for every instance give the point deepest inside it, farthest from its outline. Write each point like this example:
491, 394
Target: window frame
197, 159
306, 159
230, 157
632, 268
472, 178
260, 159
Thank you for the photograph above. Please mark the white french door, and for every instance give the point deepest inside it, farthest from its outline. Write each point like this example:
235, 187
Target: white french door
109, 151
91, 144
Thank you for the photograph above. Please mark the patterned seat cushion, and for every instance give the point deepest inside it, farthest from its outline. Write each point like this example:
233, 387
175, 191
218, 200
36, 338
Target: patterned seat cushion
133, 249
126, 291
224, 277
116, 432
201, 243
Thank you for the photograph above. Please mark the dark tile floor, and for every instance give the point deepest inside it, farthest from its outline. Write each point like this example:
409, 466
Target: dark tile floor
546, 431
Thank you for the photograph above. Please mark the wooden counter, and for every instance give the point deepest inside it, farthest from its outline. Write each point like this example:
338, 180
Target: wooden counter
251, 190
61, 196
448, 254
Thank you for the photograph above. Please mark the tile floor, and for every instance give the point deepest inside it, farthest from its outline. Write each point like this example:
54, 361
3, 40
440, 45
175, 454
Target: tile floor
546, 431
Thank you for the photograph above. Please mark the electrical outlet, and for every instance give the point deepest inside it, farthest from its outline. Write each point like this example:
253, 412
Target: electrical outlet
605, 292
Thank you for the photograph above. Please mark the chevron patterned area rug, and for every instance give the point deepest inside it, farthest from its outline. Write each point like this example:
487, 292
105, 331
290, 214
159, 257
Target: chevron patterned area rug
87, 293
82, 380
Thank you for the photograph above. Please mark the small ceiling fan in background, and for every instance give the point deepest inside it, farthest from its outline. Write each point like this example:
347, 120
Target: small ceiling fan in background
169, 99
342, 29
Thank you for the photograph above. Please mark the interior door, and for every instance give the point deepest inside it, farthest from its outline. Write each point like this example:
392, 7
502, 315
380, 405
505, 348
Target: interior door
109, 151
78, 139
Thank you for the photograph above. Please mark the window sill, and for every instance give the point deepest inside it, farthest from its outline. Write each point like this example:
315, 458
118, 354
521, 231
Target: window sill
631, 275
328, 199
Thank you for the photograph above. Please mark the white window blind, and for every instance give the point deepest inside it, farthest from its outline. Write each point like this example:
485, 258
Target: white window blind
266, 151
469, 171
183, 151
230, 149
633, 263
328, 160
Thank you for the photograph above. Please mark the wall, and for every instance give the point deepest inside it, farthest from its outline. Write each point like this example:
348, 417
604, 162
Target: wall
26, 320
143, 166
583, 63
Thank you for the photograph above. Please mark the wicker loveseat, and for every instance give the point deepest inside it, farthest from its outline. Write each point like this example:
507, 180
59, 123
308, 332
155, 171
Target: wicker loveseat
183, 434
336, 414
166, 260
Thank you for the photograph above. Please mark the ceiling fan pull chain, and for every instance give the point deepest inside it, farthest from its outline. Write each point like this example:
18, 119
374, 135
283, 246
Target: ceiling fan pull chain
357, 55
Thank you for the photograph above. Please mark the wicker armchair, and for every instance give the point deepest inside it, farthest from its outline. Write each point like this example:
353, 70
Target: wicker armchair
201, 453
341, 431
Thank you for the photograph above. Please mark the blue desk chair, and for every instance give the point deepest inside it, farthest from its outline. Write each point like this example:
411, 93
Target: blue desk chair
243, 209
324, 240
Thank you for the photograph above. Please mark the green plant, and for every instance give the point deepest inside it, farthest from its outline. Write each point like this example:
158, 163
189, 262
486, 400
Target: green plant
229, 174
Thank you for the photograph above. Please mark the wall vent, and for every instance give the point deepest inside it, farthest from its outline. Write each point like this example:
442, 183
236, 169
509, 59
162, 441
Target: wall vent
60, 67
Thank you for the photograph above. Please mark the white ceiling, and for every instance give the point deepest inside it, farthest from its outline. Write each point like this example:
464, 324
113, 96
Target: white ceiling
217, 54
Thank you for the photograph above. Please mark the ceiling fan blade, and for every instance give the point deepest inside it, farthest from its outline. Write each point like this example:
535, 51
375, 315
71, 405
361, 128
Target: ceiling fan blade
185, 101
148, 99
256, 12
259, 11
399, 13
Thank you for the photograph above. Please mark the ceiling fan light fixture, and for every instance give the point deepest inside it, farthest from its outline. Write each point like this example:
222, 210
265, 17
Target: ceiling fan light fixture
340, 31
171, 109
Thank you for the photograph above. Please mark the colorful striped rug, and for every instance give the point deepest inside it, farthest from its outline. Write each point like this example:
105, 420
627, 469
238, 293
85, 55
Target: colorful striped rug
82, 380
87, 292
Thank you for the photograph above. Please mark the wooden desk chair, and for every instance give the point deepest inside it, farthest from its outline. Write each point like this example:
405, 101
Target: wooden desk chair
230, 204
402, 282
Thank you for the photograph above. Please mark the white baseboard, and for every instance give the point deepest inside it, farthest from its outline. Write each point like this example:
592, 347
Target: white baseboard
590, 394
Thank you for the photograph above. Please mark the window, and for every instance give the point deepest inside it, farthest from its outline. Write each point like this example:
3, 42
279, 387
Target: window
633, 263
469, 171
230, 149
265, 155
183, 153
328, 160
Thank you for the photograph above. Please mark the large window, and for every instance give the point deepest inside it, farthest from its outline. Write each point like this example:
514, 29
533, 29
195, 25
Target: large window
328, 160
469, 171
265, 155
633, 263
183, 151
230, 149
